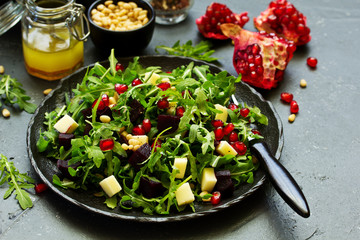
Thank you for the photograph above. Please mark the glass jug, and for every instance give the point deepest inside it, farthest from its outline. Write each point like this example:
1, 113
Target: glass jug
52, 37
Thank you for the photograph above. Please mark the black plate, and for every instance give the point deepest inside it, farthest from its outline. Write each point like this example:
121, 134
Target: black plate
46, 168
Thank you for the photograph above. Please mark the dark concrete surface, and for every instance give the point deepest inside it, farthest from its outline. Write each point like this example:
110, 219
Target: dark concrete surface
321, 151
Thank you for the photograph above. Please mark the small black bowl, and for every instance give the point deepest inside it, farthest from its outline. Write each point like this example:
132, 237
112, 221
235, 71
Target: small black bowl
125, 43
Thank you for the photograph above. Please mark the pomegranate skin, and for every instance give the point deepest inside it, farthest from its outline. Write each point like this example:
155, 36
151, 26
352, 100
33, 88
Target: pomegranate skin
261, 58
283, 19
217, 14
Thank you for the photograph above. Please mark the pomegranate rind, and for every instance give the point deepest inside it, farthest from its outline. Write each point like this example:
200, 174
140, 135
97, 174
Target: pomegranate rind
262, 24
242, 19
276, 53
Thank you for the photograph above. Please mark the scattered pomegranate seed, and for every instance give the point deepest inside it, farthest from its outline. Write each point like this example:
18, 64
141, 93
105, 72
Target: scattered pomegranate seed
216, 198
163, 103
158, 144
136, 82
233, 106
228, 128
40, 187
138, 130
233, 137
217, 123
240, 147
164, 86
244, 112
103, 102
286, 97
219, 133
119, 66
146, 125
106, 144
180, 111
254, 131
294, 107
121, 88
187, 93
311, 62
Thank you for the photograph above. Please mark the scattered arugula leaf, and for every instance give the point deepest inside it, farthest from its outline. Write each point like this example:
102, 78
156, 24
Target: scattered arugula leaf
17, 182
12, 93
200, 51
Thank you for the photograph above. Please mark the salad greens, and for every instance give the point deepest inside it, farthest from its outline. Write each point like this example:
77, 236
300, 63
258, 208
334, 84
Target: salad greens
193, 87
201, 51
11, 92
17, 182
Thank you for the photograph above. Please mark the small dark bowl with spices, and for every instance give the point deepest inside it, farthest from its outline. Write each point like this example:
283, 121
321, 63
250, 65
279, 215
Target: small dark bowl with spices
126, 26
170, 12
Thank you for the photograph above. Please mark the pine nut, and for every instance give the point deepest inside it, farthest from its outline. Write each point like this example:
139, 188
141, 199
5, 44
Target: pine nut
47, 91
105, 119
125, 146
2, 69
303, 83
6, 113
292, 118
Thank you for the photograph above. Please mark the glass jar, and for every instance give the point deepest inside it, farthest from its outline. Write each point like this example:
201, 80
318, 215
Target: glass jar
10, 14
52, 37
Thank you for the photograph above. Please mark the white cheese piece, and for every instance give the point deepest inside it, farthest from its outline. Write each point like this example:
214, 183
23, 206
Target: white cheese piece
110, 186
225, 148
180, 163
208, 179
66, 124
153, 78
184, 195
221, 116
141, 138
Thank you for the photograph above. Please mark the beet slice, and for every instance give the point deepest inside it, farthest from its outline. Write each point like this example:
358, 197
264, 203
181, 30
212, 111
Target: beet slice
63, 166
140, 156
137, 109
150, 188
65, 140
166, 121
224, 183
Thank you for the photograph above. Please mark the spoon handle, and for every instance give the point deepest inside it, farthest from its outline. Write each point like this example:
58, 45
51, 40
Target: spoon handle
281, 179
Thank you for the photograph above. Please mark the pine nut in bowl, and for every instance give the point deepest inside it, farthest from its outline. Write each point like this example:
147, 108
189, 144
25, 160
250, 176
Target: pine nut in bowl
126, 26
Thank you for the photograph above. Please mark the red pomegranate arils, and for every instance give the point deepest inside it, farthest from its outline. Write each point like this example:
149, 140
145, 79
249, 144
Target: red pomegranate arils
136, 82
311, 62
138, 130
216, 198
217, 14
157, 145
228, 128
294, 107
103, 102
233, 136
240, 147
146, 125
121, 88
40, 187
233, 106
286, 97
219, 133
106, 144
163, 103
119, 67
217, 123
244, 112
180, 111
164, 86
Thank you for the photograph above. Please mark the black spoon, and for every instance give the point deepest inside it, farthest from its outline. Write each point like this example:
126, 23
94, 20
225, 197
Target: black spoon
280, 178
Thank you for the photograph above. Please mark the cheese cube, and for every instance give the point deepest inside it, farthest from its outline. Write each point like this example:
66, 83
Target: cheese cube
110, 186
66, 124
141, 138
221, 116
225, 148
180, 163
153, 78
208, 179
184, 195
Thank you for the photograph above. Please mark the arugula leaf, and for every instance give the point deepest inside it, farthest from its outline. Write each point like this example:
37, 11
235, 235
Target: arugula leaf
17, 182
199, 51
13, 93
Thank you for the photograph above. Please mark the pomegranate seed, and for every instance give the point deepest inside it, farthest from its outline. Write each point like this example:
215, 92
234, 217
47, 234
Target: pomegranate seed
254, 131
233, 137
164, 86
158, 144
240, 147
233, 106
163, 103
311, 62
228, 128
121, 88
180, 111
294, 107
244, 112
138, 130
286, 97
217, 123
40, 187
106, 144
105, 99
146, 125
216, 198
103, 102
219, 133
136, 82
119, 66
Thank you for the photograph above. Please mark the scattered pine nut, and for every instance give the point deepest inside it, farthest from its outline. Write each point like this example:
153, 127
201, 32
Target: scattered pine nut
292, 118
303, 83
47, 91
2, 69
203, 193
105, 119
6, 113
125, 146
